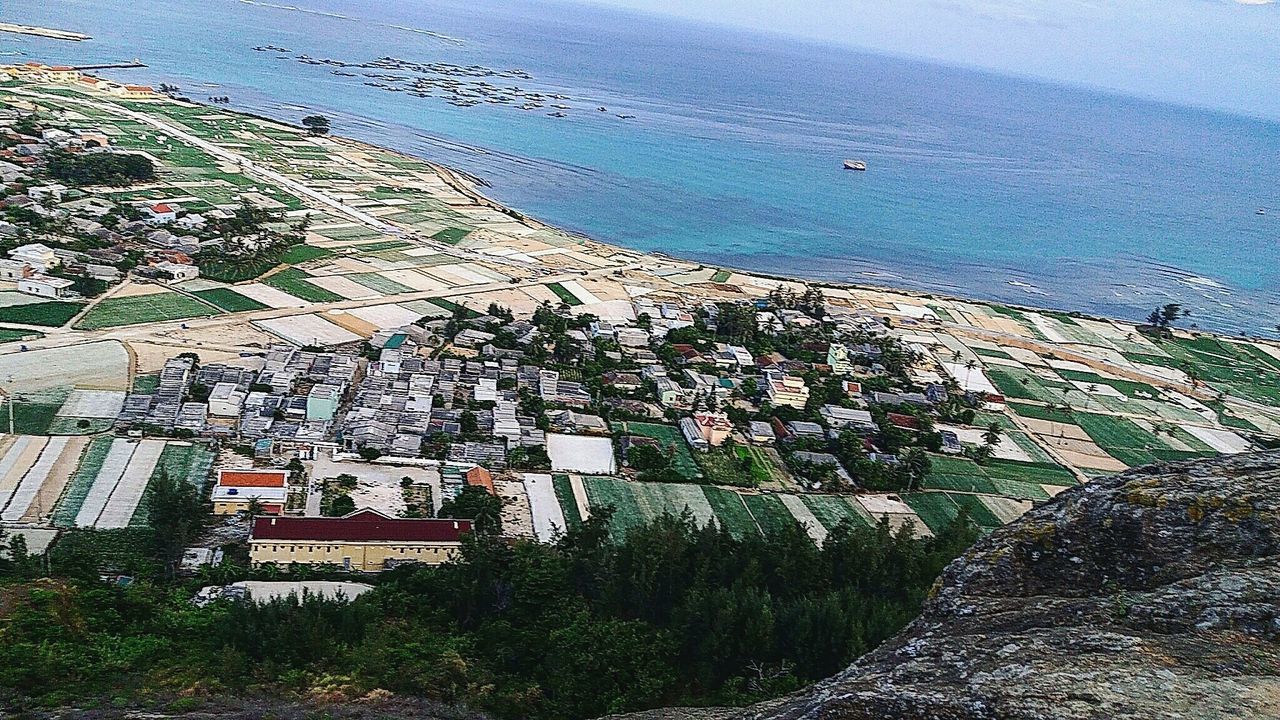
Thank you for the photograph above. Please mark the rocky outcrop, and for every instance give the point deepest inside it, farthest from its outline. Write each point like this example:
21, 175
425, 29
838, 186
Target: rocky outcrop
1152, 594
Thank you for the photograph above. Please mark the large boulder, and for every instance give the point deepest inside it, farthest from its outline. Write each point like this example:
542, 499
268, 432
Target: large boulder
1152, 594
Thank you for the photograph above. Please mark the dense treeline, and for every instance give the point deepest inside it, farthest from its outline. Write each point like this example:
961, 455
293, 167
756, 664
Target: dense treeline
117, 169
675, 614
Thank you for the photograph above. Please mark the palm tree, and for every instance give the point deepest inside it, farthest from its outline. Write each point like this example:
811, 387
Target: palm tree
969, 366
992, 436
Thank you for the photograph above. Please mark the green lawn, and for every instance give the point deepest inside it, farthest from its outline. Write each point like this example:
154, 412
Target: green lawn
229, 300
52, 314
7, 335
295, 282
159, 307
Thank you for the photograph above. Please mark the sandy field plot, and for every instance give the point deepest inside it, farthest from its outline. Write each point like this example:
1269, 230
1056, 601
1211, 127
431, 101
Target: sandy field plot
580, 496
1055, 429
132, 289
307, 330
345, 287
386, 316
541, 294
1224, 441
46, 497
347, 321
113, 467
517, 520
453, 280
1006, 509
16, 462
805, 517
583, 294
100, 365
9, 299
31, 481
898, 513
580, 453
269, 296
133, 483
616, 311
1083, 453
548, 518
414, 279
971, 380
378, 481
1006, 449
92, 404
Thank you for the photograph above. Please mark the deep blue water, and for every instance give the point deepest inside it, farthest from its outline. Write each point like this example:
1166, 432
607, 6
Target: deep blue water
979, 185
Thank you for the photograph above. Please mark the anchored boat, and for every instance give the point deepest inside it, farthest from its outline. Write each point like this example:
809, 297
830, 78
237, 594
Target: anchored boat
858, 165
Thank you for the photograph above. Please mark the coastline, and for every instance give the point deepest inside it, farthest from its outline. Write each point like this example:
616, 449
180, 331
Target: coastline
51, 33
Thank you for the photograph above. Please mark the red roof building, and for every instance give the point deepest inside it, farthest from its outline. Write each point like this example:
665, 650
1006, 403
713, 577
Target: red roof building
480, 477
363, 541
906, 422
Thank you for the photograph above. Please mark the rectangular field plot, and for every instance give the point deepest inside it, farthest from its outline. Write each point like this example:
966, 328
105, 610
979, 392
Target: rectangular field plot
157, 307
92, 404
269, 296
50, 314
229, 300
833, 510
298, 284
305, 330
670, 438
133, 483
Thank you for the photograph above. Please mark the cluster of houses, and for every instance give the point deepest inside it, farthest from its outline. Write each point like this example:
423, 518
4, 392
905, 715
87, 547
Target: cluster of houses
66, 75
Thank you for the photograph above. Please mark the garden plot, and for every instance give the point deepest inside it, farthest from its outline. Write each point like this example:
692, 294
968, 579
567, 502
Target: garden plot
307, 330
345, 287
128, 492
452, 279
386, 316
803, 515
54, 466
113, 468
101, 365
17, 461
138, 309
548, 518
581, 453
425, 308
970, 379
269, 296
92, 404
1223, 441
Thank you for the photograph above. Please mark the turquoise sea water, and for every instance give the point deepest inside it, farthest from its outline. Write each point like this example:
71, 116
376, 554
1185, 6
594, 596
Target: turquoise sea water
979, 185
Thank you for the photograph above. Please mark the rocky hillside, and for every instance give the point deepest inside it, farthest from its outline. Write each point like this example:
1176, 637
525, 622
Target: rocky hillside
1153, 594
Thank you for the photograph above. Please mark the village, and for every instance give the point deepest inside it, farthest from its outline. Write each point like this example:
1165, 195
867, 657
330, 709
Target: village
336, 344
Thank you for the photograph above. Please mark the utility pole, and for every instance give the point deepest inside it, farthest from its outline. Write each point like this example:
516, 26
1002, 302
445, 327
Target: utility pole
8, 395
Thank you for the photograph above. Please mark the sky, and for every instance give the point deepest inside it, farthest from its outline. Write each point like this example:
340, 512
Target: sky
1222, 54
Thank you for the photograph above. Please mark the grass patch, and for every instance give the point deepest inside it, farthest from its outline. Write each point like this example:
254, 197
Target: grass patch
669, 437
50, 314
731, 512
568, 504
229, 300
770, 514
114, 312
834, 510
303, 253
7, 335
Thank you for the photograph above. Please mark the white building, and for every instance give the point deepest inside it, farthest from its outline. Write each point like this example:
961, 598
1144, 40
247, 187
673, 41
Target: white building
786, 390
160, 214
44, 286
179, 271
37, 255
226, 399
13, 270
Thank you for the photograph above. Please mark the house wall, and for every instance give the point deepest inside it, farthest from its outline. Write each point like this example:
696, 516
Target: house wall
362, 557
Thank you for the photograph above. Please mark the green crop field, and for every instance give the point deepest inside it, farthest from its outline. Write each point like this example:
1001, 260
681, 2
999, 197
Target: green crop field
769, 513
723, 468
721, 276
998, 477
833, 510
1132, 445
374, 281
159, 307
303, 253
295, 282
564, 294
568, 504
935, 509
669, 437
731, 511
229, 300
7, 335
189, 462
51, 314
64, 515
452, 236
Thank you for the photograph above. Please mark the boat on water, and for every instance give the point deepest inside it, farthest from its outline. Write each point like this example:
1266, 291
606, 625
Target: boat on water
1262, 211
859, 165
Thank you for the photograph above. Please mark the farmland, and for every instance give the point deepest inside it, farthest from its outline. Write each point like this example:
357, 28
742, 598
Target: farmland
157, 307
229, 300
296, 283
51, 314
670, 438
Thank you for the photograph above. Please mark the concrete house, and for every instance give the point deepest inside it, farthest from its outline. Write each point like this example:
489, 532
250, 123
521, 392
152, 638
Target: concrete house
363, 541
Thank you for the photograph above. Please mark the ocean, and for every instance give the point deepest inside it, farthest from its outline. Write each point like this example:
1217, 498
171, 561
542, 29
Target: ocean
731, 150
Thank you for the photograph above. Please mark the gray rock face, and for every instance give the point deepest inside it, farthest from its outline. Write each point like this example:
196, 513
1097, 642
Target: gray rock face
1153, 594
